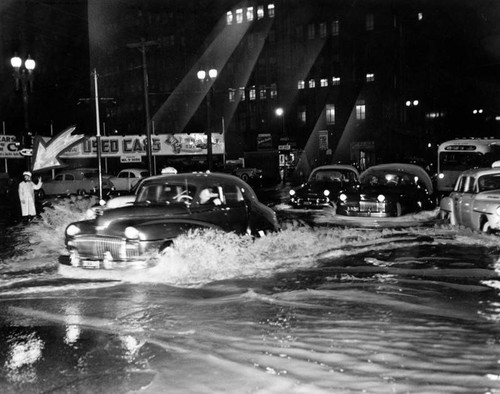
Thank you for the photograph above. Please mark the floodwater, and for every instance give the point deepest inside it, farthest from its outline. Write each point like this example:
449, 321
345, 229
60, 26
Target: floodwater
312, 309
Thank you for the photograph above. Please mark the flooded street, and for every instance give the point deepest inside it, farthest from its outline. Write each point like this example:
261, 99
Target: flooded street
312, 309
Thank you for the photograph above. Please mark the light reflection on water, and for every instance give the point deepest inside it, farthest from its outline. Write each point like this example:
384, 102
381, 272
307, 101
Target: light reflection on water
304, 311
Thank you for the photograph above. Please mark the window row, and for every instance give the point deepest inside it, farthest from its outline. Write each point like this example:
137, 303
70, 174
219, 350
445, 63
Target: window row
247, 14
323, 29
325, 82
263, 91
329, 113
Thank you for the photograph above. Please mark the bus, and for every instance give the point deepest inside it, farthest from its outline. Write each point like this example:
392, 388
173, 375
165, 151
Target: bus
458, 155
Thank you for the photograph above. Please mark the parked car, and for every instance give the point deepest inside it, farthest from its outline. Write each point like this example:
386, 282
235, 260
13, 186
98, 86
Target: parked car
249, 174
388, 190
166, 206
127, 178
77, 181
323, 185
474, 201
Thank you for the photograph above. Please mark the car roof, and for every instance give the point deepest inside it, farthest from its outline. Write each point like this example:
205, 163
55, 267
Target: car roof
405, 167
337, 167
481, 171
199, 176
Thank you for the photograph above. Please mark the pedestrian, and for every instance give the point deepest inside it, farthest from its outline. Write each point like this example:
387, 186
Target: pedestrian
27, 196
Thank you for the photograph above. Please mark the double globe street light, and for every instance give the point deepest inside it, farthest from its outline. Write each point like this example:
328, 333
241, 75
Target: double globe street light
209, 76
24, 77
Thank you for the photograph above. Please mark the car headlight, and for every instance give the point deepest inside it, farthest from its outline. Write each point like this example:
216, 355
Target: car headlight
326, 193
343, 197
498, 211
72, 230
131, 233
441, 175
380, 198
292, 192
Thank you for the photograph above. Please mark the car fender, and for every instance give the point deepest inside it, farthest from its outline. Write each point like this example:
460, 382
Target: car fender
446, 204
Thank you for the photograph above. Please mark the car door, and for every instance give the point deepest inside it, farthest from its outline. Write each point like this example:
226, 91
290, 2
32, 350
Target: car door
467, 202
235, 208
456, 196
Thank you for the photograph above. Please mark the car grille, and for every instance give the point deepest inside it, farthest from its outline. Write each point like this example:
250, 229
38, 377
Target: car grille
96, 247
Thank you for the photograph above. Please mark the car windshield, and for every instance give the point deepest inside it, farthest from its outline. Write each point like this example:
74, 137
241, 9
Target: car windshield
384, 178
166, 193
333, 176
489, 182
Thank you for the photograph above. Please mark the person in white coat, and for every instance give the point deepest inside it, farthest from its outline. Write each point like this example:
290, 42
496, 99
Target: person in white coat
27, 196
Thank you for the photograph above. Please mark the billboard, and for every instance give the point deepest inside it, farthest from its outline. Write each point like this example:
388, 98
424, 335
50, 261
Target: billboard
129, 146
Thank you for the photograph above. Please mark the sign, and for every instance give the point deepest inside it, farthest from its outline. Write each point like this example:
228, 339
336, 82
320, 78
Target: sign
193, 144
323, 139
284, 147
264, 141
130, 159
9, 147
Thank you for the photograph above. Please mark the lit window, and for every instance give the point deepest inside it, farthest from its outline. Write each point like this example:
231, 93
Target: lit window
260, 12
262, 93
251, 93
242, 94
311, 31
270, 10
274, 91
231, 95
370, 22
250, 14
229, 18
360, 110
312, 83
322, 30
370, 77
301, 115
301, 85
420, 16
335, 81
323, 82
335, 28
330, 114
239, 15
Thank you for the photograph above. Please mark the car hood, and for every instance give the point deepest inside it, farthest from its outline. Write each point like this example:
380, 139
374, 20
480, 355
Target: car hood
140, 213
491, 195
372, 191
319, 187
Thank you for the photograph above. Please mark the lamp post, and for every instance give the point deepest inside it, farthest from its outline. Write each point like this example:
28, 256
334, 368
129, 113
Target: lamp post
24, 77
281, 113
209, 76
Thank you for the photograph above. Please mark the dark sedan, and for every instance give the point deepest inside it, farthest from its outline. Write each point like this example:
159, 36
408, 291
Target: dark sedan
388, 190
323, 185
167, 206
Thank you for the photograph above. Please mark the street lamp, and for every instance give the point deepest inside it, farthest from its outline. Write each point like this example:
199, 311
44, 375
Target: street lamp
24, 76
281, 113
209, 76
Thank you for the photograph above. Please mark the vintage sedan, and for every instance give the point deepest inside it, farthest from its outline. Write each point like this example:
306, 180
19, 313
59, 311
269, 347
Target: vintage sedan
77, 181
166, 206
127, 178
474, 201
323, 185
388, 190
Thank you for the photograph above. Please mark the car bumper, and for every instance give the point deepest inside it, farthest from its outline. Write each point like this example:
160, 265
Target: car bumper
95, 252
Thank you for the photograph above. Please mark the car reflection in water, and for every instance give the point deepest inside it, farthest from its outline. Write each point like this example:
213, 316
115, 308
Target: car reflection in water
388, 190
166, 206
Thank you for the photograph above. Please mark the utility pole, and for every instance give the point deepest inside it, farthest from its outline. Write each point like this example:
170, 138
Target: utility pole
142, 46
